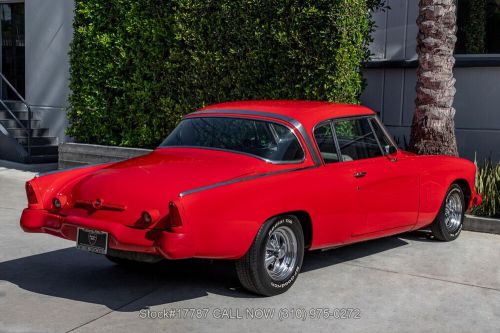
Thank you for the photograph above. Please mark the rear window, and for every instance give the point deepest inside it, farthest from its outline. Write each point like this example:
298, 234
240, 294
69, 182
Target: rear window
263, 139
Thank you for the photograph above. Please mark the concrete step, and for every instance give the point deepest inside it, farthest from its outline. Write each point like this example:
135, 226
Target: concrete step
37, 141
14, 105
22, 115
20, 132
43, 150
43, 159
11, 123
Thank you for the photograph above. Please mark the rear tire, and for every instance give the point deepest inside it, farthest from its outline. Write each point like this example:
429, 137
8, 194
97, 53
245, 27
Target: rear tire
271, 265
448, 223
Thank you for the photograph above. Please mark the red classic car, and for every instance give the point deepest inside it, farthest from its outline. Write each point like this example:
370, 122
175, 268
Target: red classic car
259, 182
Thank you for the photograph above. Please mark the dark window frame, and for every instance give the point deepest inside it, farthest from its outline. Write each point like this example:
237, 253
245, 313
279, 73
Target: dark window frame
370, 119
384, 134
334, 140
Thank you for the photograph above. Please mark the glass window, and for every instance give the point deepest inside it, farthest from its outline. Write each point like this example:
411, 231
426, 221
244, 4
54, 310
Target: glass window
324, 139
264, 139
478, 24
382, 138
356, 139
12, 41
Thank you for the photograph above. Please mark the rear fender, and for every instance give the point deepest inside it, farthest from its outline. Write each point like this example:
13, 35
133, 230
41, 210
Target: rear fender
49, 185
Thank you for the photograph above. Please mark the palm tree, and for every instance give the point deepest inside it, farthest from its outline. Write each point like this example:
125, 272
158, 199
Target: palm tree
433, 127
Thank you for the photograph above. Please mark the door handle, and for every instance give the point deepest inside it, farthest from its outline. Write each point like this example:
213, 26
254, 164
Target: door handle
360, 174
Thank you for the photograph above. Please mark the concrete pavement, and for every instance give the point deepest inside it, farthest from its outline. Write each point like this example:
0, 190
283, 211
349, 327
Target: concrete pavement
399, 284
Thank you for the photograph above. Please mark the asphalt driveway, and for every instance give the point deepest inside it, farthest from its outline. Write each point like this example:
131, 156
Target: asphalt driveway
401, 284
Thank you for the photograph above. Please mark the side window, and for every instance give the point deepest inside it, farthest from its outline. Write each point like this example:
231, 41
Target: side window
324, 139
356, 139
382, 138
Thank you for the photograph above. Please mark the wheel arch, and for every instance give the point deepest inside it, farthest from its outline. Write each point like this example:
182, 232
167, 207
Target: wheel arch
464, 185
305, 222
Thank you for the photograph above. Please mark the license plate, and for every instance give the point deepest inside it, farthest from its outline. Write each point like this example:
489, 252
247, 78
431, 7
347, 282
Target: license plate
92, 240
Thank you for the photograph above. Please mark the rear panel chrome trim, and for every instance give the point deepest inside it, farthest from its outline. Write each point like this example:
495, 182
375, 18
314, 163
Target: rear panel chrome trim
243, 179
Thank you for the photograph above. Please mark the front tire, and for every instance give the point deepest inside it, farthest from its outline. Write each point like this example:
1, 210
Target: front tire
274, 260
448, 223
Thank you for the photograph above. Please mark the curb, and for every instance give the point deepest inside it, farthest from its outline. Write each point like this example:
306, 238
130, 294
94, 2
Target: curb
44, 167
79, 154
482, 224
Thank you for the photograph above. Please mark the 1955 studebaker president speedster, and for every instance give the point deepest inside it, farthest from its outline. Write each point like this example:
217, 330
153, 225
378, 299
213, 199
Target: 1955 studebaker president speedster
260, 182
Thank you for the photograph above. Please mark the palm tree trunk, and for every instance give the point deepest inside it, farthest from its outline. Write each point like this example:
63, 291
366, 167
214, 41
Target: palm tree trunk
433, 127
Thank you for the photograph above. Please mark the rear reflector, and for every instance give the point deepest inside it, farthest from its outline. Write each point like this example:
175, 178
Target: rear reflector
147, 217
150, 216
56, 203
174, 218
30, 193
59, 201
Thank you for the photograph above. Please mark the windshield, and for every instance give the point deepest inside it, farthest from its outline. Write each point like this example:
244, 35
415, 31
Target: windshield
264, 139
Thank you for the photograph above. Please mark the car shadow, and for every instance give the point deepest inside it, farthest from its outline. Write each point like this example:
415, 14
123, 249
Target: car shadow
320, 259
77, 275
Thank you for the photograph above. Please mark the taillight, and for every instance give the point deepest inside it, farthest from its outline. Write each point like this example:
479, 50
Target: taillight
174, 217
30, 193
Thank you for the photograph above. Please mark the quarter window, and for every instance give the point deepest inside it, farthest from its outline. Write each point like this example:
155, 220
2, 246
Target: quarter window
356, 139
324, 139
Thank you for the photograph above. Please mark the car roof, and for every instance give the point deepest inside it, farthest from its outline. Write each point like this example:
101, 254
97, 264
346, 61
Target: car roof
308, 113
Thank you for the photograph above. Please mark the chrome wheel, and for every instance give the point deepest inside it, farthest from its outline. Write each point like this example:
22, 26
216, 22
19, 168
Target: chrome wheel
453, 211
281, 253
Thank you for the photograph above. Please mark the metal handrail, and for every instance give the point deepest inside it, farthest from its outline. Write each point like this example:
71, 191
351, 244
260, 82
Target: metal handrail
28, 108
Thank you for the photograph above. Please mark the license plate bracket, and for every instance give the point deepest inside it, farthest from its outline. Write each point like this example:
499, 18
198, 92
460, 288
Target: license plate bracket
92, 240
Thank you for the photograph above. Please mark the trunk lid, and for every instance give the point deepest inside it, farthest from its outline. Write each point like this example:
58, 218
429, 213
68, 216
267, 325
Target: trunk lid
128, 188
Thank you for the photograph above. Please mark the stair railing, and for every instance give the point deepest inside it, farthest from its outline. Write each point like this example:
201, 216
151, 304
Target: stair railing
27, 129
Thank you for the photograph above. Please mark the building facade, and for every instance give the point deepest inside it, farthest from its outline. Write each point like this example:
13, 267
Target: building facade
35, 37
36, 34
391, 76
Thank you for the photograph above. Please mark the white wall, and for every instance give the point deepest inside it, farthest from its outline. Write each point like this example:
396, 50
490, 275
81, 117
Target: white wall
48, 29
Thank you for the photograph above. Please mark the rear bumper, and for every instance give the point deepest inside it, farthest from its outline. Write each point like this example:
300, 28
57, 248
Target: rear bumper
171, 245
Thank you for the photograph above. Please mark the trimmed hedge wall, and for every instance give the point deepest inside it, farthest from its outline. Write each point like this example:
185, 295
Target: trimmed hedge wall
138, 66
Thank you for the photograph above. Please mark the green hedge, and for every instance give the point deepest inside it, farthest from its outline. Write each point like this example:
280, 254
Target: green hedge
138, 66
475, 26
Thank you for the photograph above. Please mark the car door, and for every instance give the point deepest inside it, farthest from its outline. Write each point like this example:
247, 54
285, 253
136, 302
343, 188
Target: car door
387, 189
337, 207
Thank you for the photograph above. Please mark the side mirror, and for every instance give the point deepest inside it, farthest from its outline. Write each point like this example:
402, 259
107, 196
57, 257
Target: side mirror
392, 153
392, 150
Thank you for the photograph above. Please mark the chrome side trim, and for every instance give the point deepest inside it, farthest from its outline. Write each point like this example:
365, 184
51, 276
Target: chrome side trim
292, 121
243, 179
